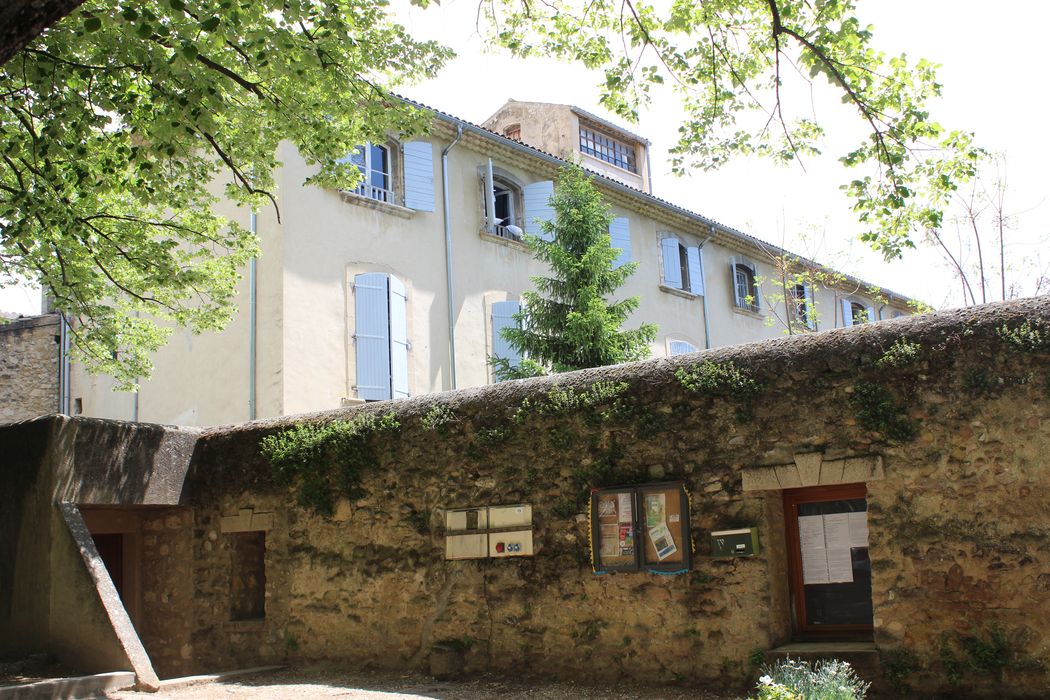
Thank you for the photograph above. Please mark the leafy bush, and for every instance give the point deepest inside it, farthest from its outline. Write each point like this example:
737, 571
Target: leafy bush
792, 679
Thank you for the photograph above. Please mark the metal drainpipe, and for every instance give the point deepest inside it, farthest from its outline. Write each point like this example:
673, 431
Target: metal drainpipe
252, 284
649, 175
63, 366
448, 259
703, 281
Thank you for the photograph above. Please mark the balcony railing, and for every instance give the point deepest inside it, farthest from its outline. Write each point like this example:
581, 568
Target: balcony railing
504, 232
376, 193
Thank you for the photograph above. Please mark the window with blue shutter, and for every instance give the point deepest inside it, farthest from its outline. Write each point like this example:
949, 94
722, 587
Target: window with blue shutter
398, 339
620, 233
671, 262
681, 347
847, 313
380, 336
503, 313
696, 270
538, 208
419, 175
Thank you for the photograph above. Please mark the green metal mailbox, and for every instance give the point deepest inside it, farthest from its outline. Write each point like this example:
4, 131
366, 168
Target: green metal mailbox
735, 543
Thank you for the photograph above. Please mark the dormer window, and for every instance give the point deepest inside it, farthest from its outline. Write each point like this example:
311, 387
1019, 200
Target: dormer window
604, 147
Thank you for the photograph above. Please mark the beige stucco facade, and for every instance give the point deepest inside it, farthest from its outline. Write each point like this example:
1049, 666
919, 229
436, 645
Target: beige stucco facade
305, 357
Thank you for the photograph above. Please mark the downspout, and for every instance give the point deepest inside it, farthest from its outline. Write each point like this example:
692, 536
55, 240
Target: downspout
252, 288
649, 181
63, 365
448, 259
703, 281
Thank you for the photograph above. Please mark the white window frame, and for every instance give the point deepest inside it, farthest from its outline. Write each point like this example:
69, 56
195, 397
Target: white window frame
673, 339
365, 188
746, 267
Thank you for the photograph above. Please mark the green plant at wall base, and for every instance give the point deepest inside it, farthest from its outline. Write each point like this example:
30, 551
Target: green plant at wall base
757, 657
792, 679
989, 656
878, 411
1030, 336
897, 665
949, 662
326, 460
901, 354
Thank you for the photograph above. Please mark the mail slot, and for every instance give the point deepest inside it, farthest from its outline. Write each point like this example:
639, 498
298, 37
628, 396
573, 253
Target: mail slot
735, 543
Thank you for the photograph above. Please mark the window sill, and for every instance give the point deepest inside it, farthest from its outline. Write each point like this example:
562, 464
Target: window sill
369, 203
351, 401
748, 312
509, 242
254, 624
679, 292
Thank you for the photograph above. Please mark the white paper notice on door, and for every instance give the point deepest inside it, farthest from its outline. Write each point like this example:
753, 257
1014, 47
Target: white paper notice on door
858, 529
836, 540
814, 553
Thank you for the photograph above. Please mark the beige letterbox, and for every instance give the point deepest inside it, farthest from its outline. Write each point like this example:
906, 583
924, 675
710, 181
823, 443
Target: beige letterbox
489, 531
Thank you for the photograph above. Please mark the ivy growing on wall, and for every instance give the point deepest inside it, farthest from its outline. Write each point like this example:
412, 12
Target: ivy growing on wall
325, 461
724, 380
878, 411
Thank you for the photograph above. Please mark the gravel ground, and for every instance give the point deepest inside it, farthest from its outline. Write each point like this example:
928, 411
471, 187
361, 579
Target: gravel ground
298, 684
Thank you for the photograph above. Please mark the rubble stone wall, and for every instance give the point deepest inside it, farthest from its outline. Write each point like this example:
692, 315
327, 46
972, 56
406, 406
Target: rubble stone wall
948, 416
29, 355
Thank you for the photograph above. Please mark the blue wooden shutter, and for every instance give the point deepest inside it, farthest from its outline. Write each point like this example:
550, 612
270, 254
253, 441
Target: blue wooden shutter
847, 313
503, 317
811, 308
681, 347
696, 274
672, 263
620, 233
372, 335
871, 315
398, 340
538, 208
736, 287
419, 176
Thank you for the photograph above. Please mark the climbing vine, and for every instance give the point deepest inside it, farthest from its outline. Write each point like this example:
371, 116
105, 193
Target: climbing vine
878, 411
323, 461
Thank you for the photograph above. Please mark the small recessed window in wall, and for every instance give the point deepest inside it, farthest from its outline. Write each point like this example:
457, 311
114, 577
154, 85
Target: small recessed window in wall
248, 576
641, 528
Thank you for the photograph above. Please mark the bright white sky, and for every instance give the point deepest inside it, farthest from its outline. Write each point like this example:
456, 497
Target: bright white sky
989, 58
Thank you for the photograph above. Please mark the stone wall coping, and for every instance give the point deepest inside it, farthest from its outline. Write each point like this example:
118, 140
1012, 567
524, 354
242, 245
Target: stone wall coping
24, 322
831, 350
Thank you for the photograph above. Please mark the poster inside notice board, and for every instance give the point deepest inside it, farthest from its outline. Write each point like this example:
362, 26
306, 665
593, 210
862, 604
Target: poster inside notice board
616, 541
662, 508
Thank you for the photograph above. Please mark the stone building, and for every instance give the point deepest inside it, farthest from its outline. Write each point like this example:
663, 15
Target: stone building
895, 475
30, 350
401, 287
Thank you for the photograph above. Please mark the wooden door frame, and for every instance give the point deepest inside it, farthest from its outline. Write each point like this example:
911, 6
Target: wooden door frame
811, 494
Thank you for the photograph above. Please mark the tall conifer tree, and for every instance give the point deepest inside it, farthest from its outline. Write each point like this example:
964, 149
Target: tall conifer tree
570, 321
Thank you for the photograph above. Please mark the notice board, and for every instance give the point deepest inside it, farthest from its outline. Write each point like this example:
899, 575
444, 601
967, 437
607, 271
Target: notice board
643, 527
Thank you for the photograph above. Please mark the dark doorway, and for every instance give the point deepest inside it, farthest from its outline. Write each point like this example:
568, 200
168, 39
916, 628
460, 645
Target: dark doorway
111, 548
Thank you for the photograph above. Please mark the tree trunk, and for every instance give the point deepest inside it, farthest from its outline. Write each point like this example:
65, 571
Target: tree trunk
21, 21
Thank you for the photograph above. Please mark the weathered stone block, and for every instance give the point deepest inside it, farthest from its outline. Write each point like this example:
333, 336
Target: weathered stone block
760, 479
809, 467
787, 475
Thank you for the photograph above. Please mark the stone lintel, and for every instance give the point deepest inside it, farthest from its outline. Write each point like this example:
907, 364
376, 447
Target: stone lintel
246, 520
809, 467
